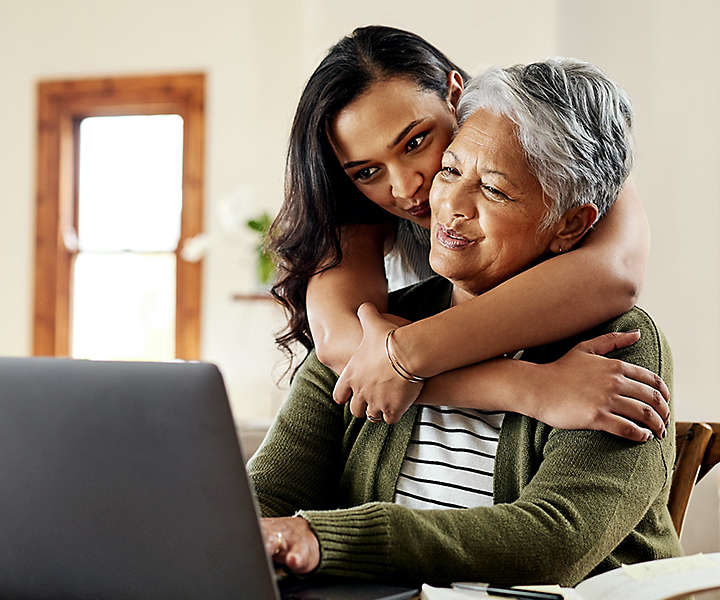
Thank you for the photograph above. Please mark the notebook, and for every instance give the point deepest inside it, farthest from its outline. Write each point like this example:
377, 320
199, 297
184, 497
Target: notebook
126, 480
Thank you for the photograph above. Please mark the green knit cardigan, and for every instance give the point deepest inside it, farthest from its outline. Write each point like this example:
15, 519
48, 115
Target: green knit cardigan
567, 504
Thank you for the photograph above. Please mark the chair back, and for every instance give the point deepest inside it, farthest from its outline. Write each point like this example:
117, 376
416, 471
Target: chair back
698, 451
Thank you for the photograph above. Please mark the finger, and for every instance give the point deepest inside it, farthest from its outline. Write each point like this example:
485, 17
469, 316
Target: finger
342, 391
298, 559
655, 393
623, 428
358, 407
374, 416
390, 416
641, 413
394, 319
610, 341
366, 313
651, 404
275, 544
645, 376
295, 561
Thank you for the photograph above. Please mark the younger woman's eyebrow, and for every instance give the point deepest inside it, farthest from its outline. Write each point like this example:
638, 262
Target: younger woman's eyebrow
395, 142
405, 131
354, 163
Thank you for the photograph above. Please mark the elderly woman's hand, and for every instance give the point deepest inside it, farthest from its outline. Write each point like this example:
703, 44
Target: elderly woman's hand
368, 381
585, 390
289, 541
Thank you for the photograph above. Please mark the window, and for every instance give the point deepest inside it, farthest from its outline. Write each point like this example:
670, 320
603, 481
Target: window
119, 190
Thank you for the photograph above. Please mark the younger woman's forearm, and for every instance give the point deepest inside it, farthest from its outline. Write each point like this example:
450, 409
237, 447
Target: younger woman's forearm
522, 312
334, 295
562, 296
499, 384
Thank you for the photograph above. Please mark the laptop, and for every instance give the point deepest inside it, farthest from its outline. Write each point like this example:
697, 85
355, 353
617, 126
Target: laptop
126, 480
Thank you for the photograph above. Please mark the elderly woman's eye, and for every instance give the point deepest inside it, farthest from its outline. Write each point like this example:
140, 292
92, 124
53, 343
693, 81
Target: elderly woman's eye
416, 142
364, 174
447, 171
496, 193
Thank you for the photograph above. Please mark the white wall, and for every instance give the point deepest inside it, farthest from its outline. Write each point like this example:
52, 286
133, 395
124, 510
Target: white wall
257, 55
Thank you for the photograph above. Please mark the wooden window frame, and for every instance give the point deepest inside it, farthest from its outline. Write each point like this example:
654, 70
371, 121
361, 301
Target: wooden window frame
61, 105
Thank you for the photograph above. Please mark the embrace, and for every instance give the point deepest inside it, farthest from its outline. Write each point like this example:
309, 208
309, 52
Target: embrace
449, 492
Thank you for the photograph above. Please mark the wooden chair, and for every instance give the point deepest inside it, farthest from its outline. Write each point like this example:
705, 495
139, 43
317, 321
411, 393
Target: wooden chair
698, 451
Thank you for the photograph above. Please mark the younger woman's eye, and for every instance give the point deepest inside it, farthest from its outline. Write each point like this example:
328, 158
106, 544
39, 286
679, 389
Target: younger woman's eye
416, 142
364, 174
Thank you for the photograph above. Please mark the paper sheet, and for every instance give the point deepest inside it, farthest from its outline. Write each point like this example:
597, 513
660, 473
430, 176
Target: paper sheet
684, 564
656, 580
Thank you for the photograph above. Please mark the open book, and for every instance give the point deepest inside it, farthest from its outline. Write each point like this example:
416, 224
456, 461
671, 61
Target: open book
654, 580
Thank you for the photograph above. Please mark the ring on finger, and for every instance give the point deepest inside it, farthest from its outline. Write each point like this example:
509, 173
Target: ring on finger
279, 539
373, 418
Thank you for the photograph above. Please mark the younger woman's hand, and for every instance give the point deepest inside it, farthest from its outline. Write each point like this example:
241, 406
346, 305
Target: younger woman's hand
585, 390
289, 541
368, 381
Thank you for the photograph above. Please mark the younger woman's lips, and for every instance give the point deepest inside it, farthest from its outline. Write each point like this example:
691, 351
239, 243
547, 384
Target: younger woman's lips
449, 238
421, 210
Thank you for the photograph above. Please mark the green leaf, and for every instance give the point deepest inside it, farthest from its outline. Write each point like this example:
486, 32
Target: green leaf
265, 266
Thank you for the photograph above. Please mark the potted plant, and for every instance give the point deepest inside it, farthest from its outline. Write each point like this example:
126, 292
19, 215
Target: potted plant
265, 268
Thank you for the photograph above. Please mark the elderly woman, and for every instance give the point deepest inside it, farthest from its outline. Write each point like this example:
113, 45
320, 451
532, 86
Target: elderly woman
452, 494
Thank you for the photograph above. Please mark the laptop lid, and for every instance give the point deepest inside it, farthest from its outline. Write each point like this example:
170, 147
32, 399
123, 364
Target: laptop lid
123, 480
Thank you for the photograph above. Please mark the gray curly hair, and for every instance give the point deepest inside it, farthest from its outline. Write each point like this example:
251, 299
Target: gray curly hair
573, 123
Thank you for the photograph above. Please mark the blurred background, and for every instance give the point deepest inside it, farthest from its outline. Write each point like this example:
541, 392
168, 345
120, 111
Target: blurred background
256, 56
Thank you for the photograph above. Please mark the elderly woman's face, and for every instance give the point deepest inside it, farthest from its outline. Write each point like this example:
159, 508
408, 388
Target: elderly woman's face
486, 207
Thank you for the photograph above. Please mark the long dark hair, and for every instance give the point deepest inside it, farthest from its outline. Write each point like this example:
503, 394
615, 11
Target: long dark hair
319, 196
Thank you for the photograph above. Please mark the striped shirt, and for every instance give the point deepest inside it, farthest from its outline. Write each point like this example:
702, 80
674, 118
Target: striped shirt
450, 459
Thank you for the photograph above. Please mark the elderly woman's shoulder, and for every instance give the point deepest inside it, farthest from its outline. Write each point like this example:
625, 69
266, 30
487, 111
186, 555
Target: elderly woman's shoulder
651, 351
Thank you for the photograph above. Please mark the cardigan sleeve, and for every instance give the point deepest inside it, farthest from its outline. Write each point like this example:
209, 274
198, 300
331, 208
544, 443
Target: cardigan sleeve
299, 463
589, 492
574, 512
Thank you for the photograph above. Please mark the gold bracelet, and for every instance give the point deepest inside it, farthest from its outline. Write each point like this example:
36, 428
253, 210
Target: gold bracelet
397, 367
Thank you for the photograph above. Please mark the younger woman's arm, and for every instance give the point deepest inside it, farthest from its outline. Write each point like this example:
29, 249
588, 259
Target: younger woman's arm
581, 390
560, 297
334, 296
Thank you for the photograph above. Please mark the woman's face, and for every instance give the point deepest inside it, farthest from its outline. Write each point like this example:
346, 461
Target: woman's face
486, 208
390, 141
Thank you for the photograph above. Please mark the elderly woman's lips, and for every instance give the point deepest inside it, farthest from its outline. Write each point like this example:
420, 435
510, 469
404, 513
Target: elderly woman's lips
421, 210
452, 239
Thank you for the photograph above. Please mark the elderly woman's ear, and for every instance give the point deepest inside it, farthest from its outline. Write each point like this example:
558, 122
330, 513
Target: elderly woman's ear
572, 226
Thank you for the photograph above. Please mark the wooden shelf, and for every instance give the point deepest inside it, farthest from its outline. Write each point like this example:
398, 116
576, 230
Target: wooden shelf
266, 297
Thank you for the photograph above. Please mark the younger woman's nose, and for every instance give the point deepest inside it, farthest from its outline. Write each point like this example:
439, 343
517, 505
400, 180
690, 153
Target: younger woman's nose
406, 185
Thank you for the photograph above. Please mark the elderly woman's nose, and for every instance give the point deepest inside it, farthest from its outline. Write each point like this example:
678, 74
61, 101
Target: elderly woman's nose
405, 183
456, 202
